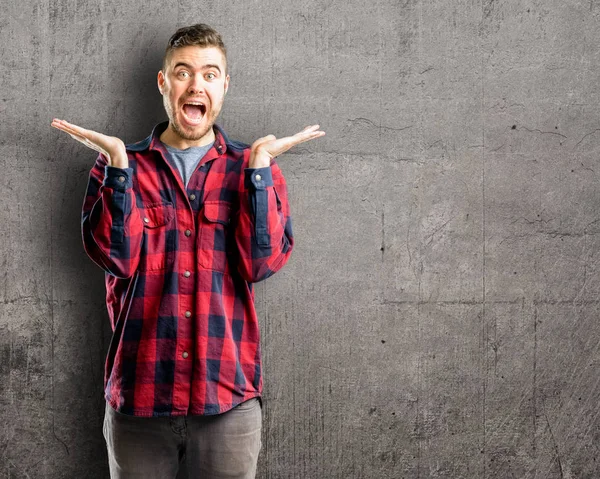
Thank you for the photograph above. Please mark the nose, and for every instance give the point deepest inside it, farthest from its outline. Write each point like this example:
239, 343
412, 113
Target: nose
196, 85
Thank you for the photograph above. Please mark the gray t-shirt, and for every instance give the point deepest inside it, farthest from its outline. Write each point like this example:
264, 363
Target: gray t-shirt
186, 161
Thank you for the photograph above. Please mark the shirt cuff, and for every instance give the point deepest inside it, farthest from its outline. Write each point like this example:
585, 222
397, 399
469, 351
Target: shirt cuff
259, 178
118, 178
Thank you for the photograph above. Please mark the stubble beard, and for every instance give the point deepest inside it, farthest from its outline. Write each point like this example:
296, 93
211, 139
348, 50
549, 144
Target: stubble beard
191, 135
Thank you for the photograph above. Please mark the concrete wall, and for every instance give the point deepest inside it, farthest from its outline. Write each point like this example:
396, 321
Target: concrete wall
439, 316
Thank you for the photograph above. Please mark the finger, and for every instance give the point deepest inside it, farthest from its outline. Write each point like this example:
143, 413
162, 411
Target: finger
87, 137
309, 134
67, 128
86, 142
71, 128
310, 128
284, 144
78, 130
81, 139
78, 137
59, 125
71, 132
267, 138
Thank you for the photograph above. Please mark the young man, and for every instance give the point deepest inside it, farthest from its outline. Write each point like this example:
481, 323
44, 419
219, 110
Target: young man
183, 223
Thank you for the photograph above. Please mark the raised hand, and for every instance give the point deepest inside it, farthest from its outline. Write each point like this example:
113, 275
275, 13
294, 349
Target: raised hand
268, 147
110, 146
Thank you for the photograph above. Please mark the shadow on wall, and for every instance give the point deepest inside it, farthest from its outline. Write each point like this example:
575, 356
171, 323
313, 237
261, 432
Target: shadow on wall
132, 105
143, 106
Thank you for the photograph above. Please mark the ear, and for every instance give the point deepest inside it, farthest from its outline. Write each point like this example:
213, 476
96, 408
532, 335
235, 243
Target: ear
226, 83
160, 81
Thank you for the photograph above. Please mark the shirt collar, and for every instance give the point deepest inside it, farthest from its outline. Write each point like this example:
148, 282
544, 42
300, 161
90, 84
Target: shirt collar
154, 143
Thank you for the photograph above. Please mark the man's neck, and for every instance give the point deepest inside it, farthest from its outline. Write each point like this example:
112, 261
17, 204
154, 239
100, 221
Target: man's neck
171, 138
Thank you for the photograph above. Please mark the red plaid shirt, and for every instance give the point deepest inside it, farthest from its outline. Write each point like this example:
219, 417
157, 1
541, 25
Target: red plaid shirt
180, 263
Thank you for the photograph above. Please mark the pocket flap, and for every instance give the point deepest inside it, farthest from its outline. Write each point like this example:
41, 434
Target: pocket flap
157, 215
217, 212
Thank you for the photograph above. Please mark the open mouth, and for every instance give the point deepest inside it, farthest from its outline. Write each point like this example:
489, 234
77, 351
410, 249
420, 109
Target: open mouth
194, 111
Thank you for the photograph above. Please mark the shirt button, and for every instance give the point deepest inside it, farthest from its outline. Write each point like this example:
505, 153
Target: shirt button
192, 197
187, 274
188, 232
188, 314
121, 179
146, 220
258, 177
184, 354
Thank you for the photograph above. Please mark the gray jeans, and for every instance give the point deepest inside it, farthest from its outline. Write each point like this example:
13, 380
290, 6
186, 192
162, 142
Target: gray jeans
212, 447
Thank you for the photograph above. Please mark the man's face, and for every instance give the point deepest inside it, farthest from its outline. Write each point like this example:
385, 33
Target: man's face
193, 85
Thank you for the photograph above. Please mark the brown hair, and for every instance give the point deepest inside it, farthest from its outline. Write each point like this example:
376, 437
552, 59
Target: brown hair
200, 34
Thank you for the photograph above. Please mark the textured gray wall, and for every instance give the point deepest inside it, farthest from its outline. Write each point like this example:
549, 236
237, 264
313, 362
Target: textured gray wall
439, 317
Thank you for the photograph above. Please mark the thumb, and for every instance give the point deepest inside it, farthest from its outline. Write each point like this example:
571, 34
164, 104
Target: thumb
262, 140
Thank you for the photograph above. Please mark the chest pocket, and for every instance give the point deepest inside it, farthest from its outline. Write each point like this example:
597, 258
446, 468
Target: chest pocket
213, 236
158, 245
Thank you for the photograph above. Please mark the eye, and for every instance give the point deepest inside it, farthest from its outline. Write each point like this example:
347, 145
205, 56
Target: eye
183, 74
211, 76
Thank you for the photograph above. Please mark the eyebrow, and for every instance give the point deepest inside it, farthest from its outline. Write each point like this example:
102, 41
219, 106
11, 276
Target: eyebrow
203, 67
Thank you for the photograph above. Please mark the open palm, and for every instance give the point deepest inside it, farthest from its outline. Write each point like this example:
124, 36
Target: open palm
110, 146
268, 147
